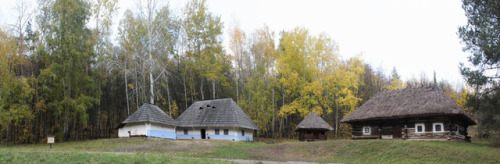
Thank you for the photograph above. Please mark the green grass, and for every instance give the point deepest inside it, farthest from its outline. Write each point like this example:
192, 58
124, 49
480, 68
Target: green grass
82, 157
386, 151
109, 145
200, 151
363, 151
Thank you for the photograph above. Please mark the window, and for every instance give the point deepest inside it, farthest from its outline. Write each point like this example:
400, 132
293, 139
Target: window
457, 129
437, 127
216, 131
185, 132
242, 133
419, 128
226, 131
366, 130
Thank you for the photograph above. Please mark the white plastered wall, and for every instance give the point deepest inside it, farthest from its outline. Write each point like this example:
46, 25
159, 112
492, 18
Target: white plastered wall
155, 126
134, 128
191, 131
210, 131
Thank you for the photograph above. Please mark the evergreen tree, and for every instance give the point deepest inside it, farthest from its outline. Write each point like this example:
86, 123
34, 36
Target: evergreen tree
481, 38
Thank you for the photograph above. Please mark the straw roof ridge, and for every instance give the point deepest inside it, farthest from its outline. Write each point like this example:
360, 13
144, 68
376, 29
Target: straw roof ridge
409, 102
150, 113
313, 121
215, 113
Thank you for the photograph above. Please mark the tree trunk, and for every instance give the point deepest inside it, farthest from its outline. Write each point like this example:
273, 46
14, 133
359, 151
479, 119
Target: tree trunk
66, 115
213, 89
185, 91
281, 119
201, 89
7, 136
150, 49
336, 118
136, 88
168, 99
99, 123
151, 85
193, 88
126, 91
108, 124
274, 111
237, 88
144, 90
66, 125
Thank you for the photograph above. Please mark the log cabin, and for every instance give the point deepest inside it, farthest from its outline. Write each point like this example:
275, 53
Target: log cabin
424, 113
313, 127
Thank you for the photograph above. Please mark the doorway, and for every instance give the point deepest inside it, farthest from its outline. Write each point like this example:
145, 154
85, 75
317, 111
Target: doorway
316, 135
397, 131
203, 134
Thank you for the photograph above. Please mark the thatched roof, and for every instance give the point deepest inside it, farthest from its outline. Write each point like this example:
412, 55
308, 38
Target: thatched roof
150, 113
412, 102
313, 121
215, 113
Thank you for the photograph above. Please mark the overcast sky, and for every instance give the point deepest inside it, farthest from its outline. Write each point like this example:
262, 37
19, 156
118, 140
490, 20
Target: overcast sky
414, 36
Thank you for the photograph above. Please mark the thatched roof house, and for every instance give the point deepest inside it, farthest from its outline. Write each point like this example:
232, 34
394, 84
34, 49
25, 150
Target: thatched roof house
207, 119
148, 121
313, 121
414, 113
313, 127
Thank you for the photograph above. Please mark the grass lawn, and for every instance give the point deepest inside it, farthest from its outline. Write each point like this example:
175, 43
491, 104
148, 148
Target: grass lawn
85, 157
138, 150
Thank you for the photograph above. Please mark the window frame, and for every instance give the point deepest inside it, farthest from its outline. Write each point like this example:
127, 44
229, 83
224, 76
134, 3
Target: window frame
242, 132
419, 124
434, 127
186, 131
369, 130
226, 132
217, 131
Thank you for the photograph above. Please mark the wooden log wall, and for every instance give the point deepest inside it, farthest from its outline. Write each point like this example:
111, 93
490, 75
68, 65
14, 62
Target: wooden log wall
385, 128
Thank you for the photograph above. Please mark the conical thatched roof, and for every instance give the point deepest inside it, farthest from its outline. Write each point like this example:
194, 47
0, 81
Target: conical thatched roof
412, 102
150, 113
313, 121
215, 113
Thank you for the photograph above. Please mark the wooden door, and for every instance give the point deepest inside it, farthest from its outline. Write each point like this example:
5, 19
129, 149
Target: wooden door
397, 131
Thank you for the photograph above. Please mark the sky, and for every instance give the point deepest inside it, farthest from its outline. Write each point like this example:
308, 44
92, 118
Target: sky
416, 37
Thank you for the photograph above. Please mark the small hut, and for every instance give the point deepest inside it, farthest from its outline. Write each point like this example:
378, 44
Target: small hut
424, 113
219, 119
313, 127
148, 121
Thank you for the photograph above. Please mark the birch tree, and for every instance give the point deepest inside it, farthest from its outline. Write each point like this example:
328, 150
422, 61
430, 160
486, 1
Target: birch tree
203, 30
71, 56
237, 46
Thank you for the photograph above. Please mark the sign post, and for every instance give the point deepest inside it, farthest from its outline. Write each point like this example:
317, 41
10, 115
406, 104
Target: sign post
50, 140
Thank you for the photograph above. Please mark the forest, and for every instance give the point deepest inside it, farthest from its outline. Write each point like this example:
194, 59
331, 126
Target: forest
62, 74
